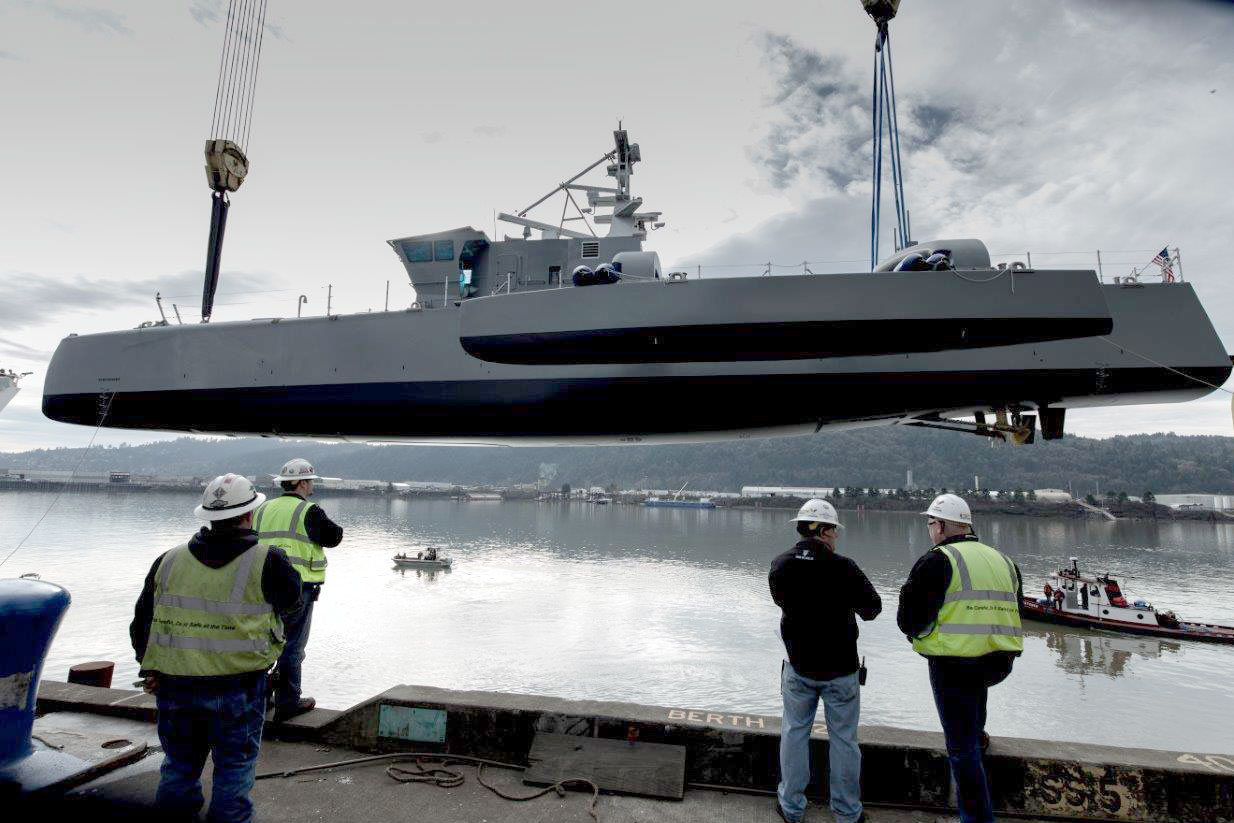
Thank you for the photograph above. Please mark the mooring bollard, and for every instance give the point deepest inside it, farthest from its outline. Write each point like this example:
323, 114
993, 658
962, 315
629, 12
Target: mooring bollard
30, 613
94, 673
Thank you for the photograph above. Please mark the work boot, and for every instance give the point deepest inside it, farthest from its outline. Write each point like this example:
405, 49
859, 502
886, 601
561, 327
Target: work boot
783, 816
284, 713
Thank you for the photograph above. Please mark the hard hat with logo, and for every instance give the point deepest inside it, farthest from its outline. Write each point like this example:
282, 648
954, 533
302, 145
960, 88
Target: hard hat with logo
297, 469
818, 511
227, 496
950, 507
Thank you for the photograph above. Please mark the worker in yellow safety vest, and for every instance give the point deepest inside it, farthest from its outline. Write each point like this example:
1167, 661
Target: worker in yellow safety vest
206, 629
960, 608
301, 529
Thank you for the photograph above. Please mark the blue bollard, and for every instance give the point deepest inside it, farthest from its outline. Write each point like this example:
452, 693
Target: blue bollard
30, 613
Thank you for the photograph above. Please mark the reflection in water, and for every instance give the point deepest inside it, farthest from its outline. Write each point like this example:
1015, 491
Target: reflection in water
427, 575
1081, 651
662, 606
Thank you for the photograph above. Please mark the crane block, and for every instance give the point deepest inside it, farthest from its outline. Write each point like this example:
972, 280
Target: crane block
226, 165
881, 10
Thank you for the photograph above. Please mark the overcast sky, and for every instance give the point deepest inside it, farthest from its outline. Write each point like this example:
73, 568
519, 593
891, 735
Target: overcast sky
1044, 126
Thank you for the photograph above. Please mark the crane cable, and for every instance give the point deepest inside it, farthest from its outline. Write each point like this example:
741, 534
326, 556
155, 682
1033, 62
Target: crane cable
238, 64
884, 116
227, 162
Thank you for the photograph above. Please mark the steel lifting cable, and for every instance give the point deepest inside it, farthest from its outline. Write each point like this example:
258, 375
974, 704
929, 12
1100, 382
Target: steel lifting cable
236, 88
102, 418
884, 115
1159, 364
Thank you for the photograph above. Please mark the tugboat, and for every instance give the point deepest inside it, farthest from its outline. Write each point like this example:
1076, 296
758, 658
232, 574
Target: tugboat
1075, 598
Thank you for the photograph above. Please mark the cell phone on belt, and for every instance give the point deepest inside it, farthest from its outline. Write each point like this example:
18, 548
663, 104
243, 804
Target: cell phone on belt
861, 672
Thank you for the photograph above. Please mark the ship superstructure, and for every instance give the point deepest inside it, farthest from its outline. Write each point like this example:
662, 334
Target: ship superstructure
8, 385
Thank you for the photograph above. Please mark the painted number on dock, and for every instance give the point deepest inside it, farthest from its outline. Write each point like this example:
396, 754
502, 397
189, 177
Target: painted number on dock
1212, 762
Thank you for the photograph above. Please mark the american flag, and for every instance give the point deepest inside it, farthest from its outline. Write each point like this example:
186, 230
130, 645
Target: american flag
1163, 260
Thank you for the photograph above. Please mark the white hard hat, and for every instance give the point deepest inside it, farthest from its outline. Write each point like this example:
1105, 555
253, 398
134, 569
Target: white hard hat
228, 495
297, 469
950, 507
818, 511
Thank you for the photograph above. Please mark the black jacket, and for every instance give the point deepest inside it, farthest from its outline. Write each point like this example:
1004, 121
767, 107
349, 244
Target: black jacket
280, 584
921, 596
818, 593
321, 529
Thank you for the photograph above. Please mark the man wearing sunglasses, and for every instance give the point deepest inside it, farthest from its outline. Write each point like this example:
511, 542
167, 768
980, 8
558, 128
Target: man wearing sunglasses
960, 608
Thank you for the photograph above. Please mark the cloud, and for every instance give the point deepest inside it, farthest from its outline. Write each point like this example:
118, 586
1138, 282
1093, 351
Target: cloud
93, 20
1072, 130
33, 299
206, 11
8, 55
13, 349
432, 136
489, 131
209, 12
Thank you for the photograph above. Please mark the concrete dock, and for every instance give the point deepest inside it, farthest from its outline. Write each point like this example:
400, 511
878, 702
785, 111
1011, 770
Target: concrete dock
730, 764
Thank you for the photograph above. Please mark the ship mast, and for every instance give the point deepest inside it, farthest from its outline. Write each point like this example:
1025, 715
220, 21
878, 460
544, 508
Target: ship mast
625, 220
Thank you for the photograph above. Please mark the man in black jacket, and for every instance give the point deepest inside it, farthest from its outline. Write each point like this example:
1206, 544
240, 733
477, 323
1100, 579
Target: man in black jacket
206, 629
818, 592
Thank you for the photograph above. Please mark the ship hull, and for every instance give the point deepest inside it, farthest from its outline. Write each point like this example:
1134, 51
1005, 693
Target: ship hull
405, 376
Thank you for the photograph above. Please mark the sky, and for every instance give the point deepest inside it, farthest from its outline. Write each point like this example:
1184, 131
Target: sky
1056, 127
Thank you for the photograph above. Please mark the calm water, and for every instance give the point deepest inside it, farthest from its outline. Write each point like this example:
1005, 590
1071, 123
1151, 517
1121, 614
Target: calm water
662, 606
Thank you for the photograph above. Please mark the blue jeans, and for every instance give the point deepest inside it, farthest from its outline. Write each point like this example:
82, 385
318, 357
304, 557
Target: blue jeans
196, 721
842, 708
960, 691
296, 630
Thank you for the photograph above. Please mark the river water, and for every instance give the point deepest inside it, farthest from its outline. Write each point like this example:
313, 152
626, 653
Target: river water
662, 606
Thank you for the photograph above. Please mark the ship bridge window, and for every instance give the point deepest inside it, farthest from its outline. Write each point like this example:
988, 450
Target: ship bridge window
443, 250
418, 252
471, 250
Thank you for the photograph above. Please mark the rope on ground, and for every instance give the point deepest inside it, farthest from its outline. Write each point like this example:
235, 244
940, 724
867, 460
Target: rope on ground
439, 775
102, 418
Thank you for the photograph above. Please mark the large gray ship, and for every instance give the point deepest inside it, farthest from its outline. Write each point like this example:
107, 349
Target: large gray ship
574, 337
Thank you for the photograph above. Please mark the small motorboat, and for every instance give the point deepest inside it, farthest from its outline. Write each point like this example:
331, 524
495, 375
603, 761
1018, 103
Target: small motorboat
428, 559
1075, 598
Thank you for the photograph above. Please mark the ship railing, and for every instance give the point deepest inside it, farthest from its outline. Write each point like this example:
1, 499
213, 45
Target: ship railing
1125, 265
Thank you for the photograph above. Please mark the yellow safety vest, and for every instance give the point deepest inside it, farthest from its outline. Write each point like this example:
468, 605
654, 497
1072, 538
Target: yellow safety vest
212, 622
980, 612
280, 522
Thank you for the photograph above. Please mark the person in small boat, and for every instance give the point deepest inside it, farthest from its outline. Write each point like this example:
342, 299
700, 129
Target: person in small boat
960, 608
431, 554
819, 592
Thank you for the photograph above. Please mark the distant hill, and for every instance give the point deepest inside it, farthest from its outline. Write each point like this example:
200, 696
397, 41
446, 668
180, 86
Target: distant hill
879, 457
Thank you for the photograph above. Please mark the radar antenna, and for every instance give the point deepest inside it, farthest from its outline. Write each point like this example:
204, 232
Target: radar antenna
625, 220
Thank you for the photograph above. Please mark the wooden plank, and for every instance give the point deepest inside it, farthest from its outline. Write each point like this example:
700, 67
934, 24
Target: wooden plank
644, 769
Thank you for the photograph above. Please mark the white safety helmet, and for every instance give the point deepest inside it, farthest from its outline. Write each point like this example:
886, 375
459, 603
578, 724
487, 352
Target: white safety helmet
818, 511
227, 496
950, 507
297, 469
